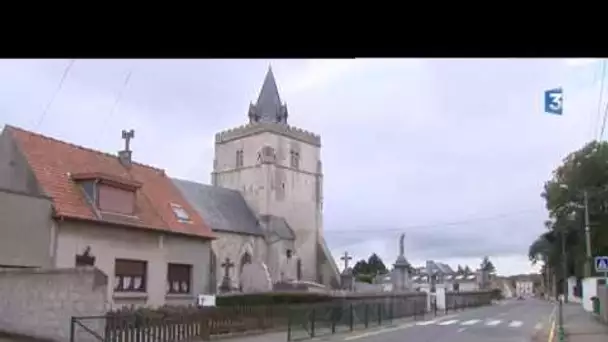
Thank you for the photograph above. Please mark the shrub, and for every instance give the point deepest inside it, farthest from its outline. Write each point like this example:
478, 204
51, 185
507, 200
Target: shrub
271, 298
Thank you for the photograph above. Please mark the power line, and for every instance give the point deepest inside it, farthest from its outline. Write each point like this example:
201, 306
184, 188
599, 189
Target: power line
434, 225
600, 100
52, 99
116, 100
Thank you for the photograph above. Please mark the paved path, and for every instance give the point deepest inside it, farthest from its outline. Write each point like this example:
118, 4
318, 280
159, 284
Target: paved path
511, 321
581, 326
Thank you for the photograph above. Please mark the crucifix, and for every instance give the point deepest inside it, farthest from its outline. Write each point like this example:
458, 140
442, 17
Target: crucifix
227, 265
127, 136
346, 259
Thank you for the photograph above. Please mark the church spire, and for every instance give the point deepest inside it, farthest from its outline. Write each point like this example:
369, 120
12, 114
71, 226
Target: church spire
268, 107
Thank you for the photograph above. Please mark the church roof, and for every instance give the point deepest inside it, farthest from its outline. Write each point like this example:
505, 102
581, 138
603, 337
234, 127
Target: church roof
278, 226
224, 210
269, 107
56, 164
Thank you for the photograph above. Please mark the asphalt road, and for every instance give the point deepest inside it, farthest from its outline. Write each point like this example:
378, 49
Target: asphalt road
509, 321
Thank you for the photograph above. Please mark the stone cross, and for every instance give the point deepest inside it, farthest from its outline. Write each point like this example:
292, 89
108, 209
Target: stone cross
346, 258
227, 265
127, 136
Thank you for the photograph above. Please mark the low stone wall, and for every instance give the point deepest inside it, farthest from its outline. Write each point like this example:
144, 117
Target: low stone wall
41, 302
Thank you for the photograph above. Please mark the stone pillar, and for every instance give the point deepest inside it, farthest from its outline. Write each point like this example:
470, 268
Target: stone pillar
402, 275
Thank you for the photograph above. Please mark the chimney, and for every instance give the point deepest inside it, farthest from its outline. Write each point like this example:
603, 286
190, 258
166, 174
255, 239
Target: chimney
124, 156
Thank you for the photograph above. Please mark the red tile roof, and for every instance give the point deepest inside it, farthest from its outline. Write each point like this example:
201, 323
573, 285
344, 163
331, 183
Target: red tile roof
54, 161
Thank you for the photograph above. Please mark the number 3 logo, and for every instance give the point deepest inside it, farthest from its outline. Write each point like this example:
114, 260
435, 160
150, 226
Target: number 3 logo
556, 101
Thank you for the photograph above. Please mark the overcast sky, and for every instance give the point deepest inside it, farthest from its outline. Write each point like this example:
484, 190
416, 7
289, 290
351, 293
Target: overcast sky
453, 153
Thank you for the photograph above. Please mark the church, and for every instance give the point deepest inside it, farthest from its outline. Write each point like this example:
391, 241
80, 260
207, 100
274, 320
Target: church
162, 240
265, 203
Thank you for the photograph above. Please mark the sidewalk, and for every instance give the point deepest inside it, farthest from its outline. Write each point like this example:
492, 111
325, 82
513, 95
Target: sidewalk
582, 326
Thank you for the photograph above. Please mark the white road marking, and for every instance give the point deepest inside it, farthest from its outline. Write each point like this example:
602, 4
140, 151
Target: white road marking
538, 326
494, 322
461, 330
471, 322
516, 324
452, 321
426, 322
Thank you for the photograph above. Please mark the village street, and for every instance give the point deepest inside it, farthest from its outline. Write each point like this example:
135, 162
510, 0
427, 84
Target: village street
510, 321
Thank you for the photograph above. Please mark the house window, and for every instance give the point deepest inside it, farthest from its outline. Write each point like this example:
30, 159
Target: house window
180, 213
179, 278
115, 200
130, 275
295, 159
239, 158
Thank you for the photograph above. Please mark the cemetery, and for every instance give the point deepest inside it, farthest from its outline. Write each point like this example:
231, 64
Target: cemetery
303, 310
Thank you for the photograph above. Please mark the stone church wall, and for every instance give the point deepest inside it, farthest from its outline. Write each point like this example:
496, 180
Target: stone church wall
234, 246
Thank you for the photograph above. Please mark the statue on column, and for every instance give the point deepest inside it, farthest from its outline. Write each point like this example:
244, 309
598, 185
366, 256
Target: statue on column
402, 267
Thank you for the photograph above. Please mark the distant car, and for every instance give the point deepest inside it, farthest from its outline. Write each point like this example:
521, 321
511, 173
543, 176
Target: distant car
520, 298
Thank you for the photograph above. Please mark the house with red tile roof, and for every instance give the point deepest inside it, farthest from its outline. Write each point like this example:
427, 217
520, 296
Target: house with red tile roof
65, 205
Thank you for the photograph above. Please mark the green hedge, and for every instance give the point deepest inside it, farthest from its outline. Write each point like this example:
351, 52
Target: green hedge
272, 298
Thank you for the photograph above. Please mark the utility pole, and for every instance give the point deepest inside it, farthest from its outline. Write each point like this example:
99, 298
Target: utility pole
587, 236
564, 296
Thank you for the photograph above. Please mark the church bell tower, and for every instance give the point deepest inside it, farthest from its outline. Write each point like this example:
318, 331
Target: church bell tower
277, 168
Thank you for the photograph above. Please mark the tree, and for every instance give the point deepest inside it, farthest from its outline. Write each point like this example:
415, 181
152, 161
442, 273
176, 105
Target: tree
487, 266
375, 264
584, 170
467, 270
361, 267
460, 270
366, 271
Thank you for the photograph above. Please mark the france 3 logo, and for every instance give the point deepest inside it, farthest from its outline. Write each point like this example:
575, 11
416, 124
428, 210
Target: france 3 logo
554, 101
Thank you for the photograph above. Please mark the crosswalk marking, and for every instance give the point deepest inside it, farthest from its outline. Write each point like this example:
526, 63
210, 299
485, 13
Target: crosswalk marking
452, 321
516, 324
426, 323
471, 322
494, 322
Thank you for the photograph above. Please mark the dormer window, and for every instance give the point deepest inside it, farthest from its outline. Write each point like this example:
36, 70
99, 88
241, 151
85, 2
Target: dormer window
239, 158
180, 213
115, 200
109, 194
295, 159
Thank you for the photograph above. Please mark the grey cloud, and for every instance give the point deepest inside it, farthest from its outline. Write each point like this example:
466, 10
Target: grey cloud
404, 144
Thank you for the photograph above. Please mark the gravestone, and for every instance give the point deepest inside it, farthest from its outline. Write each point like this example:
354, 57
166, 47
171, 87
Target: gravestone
226, 282
347, 277
255, 278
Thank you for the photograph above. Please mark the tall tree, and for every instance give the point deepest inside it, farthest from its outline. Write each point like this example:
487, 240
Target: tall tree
467, 270
376, 266
487, 265
361, 267
584, 170
460, 270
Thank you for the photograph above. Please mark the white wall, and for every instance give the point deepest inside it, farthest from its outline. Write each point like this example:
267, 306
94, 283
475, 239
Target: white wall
589, 290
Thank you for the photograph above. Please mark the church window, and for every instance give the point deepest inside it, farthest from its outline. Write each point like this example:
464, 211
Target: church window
295, 159
179, 278
130, 275
239, 158
180, 213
